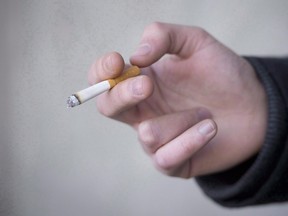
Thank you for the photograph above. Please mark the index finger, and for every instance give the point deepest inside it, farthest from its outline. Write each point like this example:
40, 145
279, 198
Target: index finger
108, 66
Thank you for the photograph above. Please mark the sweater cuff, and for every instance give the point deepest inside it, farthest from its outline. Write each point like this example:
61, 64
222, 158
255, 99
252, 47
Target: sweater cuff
247, 184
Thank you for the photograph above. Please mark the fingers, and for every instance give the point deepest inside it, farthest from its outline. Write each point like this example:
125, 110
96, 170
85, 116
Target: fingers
178, 152
183, 141
125, 95
109, 66
160, 38
155, 132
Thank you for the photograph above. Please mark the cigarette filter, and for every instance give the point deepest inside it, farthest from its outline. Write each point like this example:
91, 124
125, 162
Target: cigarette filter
94, 90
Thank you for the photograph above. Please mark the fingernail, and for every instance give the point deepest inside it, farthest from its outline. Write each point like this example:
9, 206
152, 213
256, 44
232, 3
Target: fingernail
206, 128
137, 87
142, 50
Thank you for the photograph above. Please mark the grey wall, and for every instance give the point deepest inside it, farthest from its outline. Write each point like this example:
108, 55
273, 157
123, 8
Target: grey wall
56, 161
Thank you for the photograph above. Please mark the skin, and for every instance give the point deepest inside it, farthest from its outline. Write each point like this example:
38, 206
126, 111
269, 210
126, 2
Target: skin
198, 107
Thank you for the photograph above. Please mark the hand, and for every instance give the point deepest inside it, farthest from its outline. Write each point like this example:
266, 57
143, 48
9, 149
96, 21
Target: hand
190, 82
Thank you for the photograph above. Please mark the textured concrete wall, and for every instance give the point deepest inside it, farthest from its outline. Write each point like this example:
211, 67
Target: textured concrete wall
57, 162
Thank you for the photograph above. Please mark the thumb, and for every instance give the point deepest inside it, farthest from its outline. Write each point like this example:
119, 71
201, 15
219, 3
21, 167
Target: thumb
159, 39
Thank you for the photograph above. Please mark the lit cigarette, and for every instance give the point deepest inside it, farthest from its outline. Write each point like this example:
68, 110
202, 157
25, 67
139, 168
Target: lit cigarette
94, 90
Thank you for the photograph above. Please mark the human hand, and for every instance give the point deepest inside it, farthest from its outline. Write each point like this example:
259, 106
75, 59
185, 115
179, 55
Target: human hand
176, 103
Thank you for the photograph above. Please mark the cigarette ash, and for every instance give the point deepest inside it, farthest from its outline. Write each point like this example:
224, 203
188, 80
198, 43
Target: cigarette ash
72, 101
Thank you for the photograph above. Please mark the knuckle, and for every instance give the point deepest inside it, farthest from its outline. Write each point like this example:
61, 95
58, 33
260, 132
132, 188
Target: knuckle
157, 29
147, 135
198, 31
103, 109
202, 35
163, 163
155, 26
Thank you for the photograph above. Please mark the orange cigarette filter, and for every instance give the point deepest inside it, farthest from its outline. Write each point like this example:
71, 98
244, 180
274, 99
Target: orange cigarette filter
130, 72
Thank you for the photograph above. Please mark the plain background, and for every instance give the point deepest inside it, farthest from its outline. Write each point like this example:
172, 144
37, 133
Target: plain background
56, 161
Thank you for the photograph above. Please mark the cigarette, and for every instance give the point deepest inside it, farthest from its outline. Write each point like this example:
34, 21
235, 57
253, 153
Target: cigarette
94, 90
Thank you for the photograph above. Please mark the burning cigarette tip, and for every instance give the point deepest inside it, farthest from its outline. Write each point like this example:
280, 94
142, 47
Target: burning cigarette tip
72, 101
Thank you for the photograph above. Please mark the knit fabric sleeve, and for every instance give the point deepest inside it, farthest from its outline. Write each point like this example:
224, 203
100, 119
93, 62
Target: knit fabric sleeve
263, 178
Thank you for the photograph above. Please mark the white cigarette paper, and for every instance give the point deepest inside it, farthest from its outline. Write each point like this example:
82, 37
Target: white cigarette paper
94, 90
